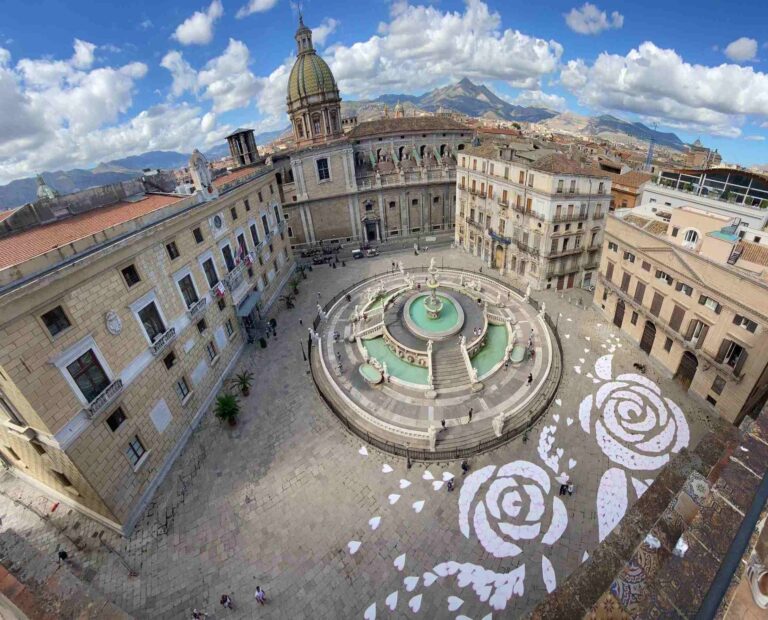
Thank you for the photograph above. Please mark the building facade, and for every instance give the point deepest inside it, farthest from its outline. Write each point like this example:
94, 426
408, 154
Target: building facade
121, 316
540, 218
362, 182
626, 189
694, 297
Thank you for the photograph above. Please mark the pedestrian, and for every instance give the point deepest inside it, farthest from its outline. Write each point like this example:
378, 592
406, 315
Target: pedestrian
338, 356
471, 411
442, 423
533, 354
563, 488
506, 364
570, 488
301, 322
318, 295
464, 468
63, 556
481, 270
260, 595
198, 615
226, 601
530, 378
449, 485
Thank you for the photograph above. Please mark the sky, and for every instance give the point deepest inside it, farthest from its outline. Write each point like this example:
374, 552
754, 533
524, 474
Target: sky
84, 82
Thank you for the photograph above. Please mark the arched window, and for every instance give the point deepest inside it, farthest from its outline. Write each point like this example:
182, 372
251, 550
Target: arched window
691, 238
334, 122
300, 128
316, 127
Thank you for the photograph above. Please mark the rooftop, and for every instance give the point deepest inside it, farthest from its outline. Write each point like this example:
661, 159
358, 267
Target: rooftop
562, 164
409, 123
633, 179
237, 131
753, 252
27, 244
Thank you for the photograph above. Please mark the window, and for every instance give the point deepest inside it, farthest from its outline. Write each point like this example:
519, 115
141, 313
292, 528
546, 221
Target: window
210, 272
61, 478
135, 450
625, 279
210, 348
254, 235
646, 265
173, 251
182, 389
668, 345
675, 230
10, 412
392, 204
732, 355
260, 198
711, 401
684, 288
628, 256
233, 213
242, 247
222, 304
56, 320
116, 418
229, 328
490, 191
676, 320
87, 373
745, 323
131, 275
415, 202
198, 235
323, 174
697, 331
247, 205
613, 247
265, 224
521, 179
530, 180
37, 446
633, 320
560, 186
690, 238
711, 304
202, 325
658, 300
572, 188
639, 292
662, 275
229, 260
150, 319
601, 188
188, 292
170, 360
718, 385
290, 231
369, 206
608, 269
276, 209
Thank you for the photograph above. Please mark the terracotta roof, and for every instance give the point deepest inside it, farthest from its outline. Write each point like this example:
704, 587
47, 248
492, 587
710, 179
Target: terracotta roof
400, 125
234, 175
6, 214
562, 164
754, 253
633, 178
20, 247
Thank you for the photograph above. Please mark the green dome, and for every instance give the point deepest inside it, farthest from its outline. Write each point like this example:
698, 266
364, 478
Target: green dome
310, 76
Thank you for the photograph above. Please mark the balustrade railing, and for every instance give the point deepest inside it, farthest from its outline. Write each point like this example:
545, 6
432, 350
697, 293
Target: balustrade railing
163, 341
198, 307
105, 399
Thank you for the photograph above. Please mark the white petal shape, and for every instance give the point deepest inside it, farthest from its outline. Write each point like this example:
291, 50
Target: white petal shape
611, 500
386, 469
353, 546
569, 421
558, 524
399, 562
558, 402
548, 573
512, 504
585, 410
429, 579
567, 336
536, 507
577, 369
411, 583
404, 484
582, 360
370, 613
487, 617
364, 451
640, 486
374, 522
468, 490
417, 506
447, 476
683, 433
391, 600
437, 484
556, 417
454, 602
521, 532
584, 557
393, 498
605, 391
622, 455
603, 367
495, 490
571, 463
427, 475
662, 441
645, 381
489, 539
614, 426
528, 470
415, 603
586, 350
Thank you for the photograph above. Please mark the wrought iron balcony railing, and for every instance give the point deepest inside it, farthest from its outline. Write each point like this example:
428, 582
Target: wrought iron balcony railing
163, 341
105, 399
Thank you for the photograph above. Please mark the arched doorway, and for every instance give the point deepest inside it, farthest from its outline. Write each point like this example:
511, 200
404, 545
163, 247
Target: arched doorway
513, 264
649, 335
498, 257
687, 369
618, 317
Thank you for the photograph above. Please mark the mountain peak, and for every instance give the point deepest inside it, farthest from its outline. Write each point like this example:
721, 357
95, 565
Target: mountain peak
465, 81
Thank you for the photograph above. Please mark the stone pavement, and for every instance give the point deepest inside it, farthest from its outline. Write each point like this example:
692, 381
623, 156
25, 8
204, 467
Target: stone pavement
289, 501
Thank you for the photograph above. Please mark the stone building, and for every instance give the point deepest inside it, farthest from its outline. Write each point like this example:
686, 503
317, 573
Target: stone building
532, 212
626, 188
694, 296
122, 309
349, 181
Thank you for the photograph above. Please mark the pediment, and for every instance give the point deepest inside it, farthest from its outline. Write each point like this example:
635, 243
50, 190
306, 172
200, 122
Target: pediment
672, 258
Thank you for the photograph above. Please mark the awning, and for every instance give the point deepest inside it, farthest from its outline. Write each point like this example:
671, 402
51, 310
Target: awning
245, 308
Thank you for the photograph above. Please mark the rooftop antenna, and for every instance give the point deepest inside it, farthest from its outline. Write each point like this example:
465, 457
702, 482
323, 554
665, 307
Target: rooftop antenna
649, 156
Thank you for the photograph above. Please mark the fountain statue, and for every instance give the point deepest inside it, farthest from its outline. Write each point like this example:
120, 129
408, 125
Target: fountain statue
432, 304
401, 267
543, 310
528, 292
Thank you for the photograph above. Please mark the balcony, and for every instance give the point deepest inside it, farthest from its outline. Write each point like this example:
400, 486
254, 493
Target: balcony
504, 204
562, 269
527, 248
475, 224
498, 237
477, 192
235, 277
565, 252
570, 217
592, 264
598, 215
163, 341
106, 398
197, 308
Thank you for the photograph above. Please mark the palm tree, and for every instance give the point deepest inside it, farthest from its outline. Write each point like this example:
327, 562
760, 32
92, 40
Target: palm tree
288, 299
227, 408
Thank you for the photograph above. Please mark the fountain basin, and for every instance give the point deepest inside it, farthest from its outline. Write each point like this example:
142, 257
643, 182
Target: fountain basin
421, 320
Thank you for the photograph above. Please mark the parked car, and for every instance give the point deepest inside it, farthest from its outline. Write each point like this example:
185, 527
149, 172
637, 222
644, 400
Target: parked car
320, 260
357, 254
372, 252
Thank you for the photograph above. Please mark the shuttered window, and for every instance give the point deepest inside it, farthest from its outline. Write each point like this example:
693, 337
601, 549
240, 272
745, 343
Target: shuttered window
640, 292
625, 278
609, 271
677, 318
658, 299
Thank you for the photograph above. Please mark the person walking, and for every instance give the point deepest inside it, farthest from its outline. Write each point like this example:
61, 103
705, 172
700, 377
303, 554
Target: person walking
301, 322
63, 556
464, 468
442, 423
530, 378
226, 601
260, 595
471, 411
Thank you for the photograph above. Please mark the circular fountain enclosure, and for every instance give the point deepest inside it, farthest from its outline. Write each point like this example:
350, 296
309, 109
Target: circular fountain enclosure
417, 319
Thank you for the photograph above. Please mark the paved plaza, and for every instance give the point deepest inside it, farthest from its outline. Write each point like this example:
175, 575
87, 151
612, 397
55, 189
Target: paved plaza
330, 528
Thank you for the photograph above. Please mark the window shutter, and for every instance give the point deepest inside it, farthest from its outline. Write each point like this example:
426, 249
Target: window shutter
702, 300
723, 349
691, 327
640, 292
609, 271
677, 318
625, 282
658, 299
737, 319
718, 309
702, 335
740, 362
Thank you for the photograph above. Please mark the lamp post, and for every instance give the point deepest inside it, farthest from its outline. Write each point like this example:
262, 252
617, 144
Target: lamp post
304, 355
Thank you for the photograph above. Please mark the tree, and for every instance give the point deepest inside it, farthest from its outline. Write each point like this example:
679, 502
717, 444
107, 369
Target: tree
227, 408
288, 299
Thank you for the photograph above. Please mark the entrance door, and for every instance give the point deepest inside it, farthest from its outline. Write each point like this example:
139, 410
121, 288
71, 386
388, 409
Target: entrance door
687, 369
649, 335
498, 257
618, 317
370, 231
570, 280
560, 281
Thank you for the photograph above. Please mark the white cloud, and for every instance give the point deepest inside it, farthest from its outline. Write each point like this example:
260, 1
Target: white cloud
539, 99
421, 47
226, 79
755, 138
146, 24
321, 33
591, 20
659, 85
198, 29
255, 6
5, 57
83, 57
184, 76
742, 49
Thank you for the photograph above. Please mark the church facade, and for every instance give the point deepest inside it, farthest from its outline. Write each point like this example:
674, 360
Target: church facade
387, 178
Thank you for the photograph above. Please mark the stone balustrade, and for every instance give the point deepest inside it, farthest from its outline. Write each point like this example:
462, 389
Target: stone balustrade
163, 341
105, 399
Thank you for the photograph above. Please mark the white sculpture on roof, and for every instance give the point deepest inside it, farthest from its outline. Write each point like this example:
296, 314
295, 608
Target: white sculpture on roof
201, 175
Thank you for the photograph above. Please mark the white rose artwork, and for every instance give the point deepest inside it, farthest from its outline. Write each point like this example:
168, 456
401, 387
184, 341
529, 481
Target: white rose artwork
637, 429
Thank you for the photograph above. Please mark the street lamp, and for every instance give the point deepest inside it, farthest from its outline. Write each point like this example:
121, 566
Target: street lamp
304, 355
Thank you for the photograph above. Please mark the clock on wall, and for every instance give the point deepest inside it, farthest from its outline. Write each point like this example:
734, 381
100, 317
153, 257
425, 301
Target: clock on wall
217, 222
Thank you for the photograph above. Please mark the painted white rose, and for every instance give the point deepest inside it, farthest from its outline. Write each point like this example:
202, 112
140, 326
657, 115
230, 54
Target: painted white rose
511, 506
634, 425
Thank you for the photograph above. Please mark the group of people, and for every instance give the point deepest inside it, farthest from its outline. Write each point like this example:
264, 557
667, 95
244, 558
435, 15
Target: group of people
226, 602
566, 487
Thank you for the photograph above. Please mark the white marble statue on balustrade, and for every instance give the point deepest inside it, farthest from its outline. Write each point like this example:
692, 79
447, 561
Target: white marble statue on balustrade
474, 375
429, 348
498, 424
432, 263
432, 434
542, 310
320, 312
463, 341
528, 292
401, 267
461, 279
384, 371
356, 313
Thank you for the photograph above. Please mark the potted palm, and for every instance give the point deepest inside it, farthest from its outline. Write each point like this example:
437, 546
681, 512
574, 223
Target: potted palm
243, 381
227, 408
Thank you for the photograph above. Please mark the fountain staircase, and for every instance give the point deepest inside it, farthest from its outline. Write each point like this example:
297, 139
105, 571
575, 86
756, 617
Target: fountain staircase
448, 368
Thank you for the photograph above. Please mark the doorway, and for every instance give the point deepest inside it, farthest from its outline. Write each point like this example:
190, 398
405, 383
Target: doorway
618, 317
649, 335
570, 280
686, 370
498, 257
371, 231
560, 282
